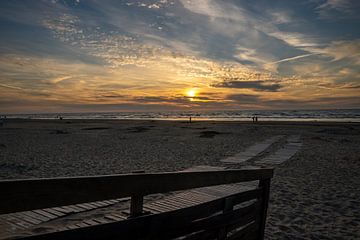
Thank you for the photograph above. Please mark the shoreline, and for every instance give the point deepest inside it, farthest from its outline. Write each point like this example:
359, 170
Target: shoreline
184, 120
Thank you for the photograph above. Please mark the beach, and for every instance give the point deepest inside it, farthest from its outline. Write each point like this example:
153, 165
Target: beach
314, 195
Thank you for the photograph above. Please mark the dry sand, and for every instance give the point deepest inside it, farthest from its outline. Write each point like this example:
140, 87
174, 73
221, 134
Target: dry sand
314, 195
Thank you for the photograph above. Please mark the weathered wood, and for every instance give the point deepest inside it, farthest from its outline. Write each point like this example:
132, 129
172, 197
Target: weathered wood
246, 233
228, 207
168, 224
265, 185
45, 193
136, 205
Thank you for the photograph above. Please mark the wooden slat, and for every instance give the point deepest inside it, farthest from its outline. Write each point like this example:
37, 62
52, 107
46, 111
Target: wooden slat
136, 205
246, 233
176, 227
44, 193
36, 215
265, 184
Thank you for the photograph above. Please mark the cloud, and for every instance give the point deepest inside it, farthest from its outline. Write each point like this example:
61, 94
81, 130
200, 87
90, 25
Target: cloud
10, 86
244, 98
255, 85
331, 9
295, 58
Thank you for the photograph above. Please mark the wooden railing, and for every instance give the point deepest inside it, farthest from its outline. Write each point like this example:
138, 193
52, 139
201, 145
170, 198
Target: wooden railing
242, 215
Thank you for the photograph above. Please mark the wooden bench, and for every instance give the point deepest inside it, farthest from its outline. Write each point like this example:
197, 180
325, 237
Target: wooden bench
240, 215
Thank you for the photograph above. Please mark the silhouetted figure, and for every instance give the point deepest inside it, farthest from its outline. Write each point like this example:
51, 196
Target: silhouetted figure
253, 119
189, 119
2, 120
256, 119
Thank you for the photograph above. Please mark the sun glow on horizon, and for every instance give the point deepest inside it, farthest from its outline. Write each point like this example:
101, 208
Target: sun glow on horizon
191, 92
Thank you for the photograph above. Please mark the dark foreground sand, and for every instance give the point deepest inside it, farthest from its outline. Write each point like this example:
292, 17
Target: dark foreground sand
314, 195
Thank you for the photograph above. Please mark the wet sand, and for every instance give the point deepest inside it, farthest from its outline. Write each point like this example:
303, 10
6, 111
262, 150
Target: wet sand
314, 195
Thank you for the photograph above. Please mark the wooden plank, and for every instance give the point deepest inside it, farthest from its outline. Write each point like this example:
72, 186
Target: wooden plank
136, 205
17, 221
113, 217
161, 206
24, 218
246, 233
90, 222
180, 226
252, 151
63, 210
44, 193
73, 208
228, 207
119, 215
179, 202
36, 215
161, 223
265, 185
202, 235
153, 209
173, 203
45, 214
53, 211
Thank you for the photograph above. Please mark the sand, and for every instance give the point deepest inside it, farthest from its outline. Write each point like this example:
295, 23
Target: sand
314, 195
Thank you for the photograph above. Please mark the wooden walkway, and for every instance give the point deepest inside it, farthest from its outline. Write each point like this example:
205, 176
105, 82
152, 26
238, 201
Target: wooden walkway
16, 223
218, 202
292, 146
252, 151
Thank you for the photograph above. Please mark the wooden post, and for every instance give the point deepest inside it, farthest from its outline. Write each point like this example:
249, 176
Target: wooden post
228, 206
265, 185
136, 205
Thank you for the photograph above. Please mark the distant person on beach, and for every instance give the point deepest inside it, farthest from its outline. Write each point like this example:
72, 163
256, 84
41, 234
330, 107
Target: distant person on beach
256, 119
2, 120
253, 118
189, 119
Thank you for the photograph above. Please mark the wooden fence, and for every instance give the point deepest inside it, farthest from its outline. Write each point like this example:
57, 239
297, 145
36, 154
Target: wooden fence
237, 216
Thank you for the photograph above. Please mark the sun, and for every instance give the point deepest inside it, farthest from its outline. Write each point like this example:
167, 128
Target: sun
191, 93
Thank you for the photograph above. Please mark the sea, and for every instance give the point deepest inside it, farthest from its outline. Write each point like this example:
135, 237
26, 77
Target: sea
332, 115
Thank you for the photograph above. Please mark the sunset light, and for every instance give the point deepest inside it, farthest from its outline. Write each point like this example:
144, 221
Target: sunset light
178, 106
191, 93
149, 55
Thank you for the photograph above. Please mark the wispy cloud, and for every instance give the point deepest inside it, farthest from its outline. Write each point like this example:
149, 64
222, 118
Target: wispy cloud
295, 58
255, 85
330, 9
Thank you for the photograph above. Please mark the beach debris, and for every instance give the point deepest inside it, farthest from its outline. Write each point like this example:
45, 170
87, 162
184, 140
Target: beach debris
208, 134
95, 128
58, 131
138, 129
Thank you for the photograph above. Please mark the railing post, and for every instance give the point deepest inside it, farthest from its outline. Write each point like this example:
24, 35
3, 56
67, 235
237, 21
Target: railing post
265, 185
228, 207
136, 205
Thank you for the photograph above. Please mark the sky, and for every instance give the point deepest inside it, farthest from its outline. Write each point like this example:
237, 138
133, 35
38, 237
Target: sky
164, 55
